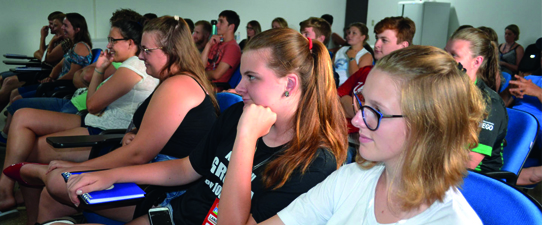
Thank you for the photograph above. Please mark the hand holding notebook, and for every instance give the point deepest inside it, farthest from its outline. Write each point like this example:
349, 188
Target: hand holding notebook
95, 191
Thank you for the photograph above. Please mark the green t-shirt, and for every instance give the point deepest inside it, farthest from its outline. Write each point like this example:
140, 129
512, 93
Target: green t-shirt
80, 101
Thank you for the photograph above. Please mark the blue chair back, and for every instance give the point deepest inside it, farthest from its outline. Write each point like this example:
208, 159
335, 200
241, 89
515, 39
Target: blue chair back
235, 78
520, 137
226, 99
498, 203
95, 54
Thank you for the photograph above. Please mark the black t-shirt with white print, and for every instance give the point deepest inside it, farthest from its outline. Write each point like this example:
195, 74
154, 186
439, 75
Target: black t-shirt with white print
211, 158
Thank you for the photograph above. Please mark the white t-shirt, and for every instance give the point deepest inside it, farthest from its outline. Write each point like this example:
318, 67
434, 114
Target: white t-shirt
119, 113
342, 60
347, 197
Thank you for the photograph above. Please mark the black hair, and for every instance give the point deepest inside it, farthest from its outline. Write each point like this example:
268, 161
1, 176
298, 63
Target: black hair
190, 24
126, 14
150, 16
328, 18
130, 29
231, 17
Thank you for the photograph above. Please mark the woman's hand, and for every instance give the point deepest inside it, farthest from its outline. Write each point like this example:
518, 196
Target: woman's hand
56, 164
128, 137
104, 60
256, 121
85, 183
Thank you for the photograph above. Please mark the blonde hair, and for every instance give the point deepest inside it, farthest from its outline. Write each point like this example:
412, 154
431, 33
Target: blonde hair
481, 45
281, 21
319, 120
442, 109
175, 38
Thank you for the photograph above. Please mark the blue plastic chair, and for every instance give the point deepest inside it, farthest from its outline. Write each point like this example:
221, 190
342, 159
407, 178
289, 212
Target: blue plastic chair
498, 203
520, 138
233, 82
226, 99
95, 54
507, 77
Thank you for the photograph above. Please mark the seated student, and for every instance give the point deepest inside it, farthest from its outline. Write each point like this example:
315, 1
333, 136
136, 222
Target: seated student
316, 29
53, 55
392, 33
222, 54
414, 136
79, 99
190, 24
279, 22
510, 52
478, 55
525, 93
110, 107
253, 28
148, 17
176, 118
75, 29
201, 34
56, 46
294, 151
350, 59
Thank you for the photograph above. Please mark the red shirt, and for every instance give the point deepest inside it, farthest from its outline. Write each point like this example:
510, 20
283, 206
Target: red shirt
348, 86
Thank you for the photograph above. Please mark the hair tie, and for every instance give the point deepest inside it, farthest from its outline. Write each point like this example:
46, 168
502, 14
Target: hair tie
461, 68
176, 17
310, 43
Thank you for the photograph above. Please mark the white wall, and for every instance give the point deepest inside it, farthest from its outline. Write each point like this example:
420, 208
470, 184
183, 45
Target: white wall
497, 14
20, 21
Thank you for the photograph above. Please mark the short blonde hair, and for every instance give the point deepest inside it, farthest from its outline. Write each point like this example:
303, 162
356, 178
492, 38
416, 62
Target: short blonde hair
442, 109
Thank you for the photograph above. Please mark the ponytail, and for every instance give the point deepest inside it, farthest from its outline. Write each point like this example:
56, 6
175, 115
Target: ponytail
319, 121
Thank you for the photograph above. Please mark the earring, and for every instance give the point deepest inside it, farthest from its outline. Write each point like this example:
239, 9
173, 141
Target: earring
287, 93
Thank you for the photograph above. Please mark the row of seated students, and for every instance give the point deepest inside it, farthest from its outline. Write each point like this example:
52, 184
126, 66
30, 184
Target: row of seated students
276, 94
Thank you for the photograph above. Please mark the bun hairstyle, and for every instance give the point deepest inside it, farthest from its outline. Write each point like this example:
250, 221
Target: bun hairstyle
319, 121
442, 109
173, 35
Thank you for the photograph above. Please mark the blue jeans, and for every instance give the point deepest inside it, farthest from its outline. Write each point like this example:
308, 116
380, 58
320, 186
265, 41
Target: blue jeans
170, 195
51, 104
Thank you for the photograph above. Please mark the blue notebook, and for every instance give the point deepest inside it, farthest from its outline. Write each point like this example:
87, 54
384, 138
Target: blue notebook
117, 192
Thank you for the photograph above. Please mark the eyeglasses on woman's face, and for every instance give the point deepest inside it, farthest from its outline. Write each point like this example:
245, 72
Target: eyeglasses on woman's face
149, 50
371, 116
114, 40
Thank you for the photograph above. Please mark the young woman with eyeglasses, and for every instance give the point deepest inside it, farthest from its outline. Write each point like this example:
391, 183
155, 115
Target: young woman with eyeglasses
253, 28
175, 124
419, 118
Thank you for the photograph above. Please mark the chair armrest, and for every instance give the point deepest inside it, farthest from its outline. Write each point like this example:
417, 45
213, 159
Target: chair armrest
48, 89
84, 140
30, 69
17, 56
509, 177
23, 63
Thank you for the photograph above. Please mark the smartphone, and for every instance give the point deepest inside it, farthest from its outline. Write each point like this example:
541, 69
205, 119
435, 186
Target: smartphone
160, 216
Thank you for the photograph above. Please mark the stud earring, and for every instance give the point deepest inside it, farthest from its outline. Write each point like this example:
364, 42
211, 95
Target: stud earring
287, 93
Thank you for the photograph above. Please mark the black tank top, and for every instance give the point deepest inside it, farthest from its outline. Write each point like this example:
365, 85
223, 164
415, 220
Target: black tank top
195, 125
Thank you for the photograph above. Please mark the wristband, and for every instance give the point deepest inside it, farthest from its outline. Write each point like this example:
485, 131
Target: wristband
95, 70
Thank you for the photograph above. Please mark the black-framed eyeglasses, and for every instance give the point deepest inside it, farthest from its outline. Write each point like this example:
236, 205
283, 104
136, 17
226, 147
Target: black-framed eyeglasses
113, 40
371, 116
250, 28
148, 50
